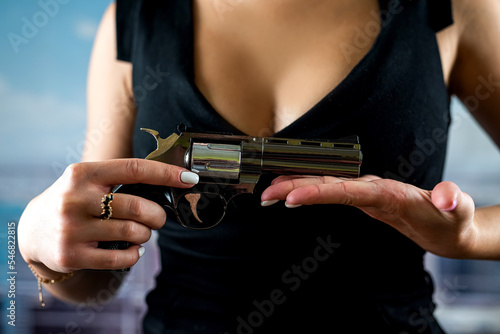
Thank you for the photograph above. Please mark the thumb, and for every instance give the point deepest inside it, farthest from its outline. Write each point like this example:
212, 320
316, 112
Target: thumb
445, 196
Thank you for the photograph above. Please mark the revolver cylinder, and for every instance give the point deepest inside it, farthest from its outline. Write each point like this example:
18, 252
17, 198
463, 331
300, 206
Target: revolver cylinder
215, 161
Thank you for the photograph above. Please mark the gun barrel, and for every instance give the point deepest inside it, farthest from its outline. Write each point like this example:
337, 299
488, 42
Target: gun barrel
240, 159
312, 157
309, 157
294, 156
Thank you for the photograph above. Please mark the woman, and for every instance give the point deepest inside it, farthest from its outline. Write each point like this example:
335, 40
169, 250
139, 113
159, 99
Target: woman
340, 253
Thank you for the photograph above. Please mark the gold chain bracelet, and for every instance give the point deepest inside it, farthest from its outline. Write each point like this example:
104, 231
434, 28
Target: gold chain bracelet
47, 281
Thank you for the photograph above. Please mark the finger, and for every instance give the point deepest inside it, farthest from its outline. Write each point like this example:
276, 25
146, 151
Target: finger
369, 177
130, 207
285, 184
117, 229
283, 178
354, 193
130, 171
447, 197
283, 187
106, 259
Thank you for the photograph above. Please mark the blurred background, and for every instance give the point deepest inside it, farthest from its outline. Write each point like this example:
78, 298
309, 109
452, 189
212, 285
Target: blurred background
44, 52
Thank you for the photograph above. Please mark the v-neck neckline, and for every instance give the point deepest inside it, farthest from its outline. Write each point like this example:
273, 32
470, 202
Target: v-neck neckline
353, 74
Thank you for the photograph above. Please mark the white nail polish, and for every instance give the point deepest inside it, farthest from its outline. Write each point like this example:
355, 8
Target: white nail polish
142, 250
270, 202
190, 177
292, 206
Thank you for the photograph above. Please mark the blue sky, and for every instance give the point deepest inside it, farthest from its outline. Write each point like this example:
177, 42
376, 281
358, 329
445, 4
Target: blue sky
44, 53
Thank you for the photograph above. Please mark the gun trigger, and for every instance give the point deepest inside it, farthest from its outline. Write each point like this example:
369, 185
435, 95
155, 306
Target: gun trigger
162, 145
193, 199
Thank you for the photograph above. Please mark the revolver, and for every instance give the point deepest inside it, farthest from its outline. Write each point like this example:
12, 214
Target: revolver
230, 165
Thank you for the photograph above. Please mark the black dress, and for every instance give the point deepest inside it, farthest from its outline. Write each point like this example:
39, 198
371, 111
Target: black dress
313, 269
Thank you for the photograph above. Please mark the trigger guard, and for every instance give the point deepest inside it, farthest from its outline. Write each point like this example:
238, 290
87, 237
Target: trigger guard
224, 191
191, 199
213, 192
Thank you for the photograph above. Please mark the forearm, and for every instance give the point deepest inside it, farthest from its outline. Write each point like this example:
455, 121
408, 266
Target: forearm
85, 286
487, 225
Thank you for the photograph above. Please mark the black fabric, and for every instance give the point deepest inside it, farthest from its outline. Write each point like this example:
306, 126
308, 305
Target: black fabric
126, 19
440, 14
316, 268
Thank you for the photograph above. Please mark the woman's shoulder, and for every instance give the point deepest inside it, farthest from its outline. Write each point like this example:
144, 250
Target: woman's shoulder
473, 22
474, 35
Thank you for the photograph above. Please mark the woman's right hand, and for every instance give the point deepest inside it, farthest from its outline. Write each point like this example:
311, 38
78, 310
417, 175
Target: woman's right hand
60, 229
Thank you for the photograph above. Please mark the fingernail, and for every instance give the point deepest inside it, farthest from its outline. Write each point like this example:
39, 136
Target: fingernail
452, 206
190, 177
292, 206
142, 249
270, 202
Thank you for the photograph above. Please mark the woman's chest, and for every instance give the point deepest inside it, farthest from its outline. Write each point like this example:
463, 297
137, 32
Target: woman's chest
262, 65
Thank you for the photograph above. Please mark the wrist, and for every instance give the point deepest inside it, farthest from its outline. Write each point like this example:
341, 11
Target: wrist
44, 272
470, 242
484, 243
46, 279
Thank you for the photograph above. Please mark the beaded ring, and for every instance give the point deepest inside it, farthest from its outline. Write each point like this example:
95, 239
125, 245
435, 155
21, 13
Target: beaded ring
107, 210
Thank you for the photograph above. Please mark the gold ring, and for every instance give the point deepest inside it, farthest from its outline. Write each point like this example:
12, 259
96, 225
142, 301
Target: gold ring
107, 210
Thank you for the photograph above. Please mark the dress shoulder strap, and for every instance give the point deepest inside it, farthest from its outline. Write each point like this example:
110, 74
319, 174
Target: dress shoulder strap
126, 23
440, 14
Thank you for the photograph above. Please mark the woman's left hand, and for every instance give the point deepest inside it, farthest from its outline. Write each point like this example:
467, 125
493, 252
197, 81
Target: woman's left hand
441, 221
